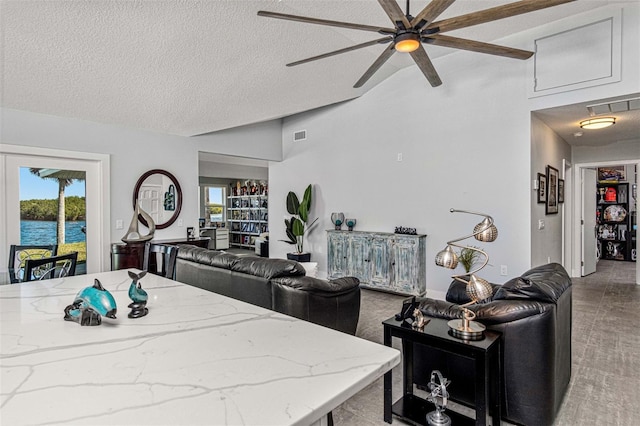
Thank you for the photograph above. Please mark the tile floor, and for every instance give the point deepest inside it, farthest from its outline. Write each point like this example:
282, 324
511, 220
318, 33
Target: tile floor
605, 382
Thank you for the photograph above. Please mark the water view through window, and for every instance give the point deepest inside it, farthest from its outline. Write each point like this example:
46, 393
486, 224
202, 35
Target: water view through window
214, 201
43, 220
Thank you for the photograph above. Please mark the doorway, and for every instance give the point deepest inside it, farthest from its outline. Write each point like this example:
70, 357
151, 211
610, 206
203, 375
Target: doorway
577, 220
95, 168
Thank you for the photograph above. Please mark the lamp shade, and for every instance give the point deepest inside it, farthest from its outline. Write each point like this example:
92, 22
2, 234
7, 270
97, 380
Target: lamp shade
447, 258
597, 123
478, 288
485, 231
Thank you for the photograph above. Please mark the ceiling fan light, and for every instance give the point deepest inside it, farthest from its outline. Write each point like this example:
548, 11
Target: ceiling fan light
597, 123
407, 42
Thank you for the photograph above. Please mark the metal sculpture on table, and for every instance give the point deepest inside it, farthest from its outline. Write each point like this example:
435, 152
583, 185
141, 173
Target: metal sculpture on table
138, 296
439, 396
419, 321
90, 305
133, 234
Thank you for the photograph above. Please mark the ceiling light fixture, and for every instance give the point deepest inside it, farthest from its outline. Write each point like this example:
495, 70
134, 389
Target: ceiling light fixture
597, 123
407, 42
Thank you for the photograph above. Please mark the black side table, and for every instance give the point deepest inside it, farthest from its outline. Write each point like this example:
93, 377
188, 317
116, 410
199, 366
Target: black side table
485, 353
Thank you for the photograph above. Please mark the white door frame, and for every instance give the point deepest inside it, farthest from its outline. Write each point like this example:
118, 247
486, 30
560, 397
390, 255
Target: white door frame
97, 196
577, 205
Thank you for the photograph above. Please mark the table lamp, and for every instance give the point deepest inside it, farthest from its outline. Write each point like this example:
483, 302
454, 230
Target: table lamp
477, 288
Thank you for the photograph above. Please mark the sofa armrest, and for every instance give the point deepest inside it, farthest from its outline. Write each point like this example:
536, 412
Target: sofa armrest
496, 312
334, 304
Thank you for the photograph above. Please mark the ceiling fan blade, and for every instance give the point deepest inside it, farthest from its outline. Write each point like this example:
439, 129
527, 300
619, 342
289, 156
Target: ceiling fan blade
339, 51
375, 66
394, 12
425, 65
430, 12
476, 46
494, 14
326, 22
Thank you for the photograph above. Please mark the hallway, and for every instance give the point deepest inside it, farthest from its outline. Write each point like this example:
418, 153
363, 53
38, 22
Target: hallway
605, 380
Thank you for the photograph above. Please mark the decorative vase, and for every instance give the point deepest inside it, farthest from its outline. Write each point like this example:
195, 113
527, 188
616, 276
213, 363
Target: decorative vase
338, 220
350, 224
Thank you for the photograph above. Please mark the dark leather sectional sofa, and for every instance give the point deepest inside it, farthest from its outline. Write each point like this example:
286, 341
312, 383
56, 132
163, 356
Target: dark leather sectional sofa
533, 312
276, 284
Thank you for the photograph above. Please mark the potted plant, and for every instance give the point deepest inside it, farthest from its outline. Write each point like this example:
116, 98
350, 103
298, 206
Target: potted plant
298, 225
467, 258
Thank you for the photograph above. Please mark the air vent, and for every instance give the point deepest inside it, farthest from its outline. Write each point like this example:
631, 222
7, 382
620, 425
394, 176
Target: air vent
614, 106
300, 135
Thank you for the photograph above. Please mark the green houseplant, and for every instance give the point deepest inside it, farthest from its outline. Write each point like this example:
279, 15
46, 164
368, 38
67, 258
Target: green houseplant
467, 258
298, 225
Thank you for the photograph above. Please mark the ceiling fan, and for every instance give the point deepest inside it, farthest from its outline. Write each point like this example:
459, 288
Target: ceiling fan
410, 32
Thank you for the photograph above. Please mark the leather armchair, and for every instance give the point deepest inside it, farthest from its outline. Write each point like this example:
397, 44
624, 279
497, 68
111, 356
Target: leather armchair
533, 313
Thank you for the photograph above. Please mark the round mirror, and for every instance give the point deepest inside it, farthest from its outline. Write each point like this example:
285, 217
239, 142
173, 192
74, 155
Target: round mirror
159, 194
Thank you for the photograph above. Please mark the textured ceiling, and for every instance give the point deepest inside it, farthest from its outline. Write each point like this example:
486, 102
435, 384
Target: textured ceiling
189, 67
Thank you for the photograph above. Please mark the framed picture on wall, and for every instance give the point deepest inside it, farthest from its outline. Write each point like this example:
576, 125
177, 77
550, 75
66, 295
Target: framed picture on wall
560, 191
612, 174
551, 207
542, 188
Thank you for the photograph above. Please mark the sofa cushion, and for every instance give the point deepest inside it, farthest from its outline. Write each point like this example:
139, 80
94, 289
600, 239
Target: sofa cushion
203, 256
268, 268
333, 287
545, 283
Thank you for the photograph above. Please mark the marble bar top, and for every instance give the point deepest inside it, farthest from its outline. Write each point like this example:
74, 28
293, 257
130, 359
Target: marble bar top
196, 358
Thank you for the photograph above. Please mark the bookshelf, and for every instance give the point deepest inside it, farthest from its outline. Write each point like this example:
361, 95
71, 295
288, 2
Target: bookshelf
248, 218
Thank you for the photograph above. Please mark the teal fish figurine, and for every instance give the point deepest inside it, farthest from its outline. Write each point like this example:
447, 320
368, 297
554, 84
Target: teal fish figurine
138, 296
90, 305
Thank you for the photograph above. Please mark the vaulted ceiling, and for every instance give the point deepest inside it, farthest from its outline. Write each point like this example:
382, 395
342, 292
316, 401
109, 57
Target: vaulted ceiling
192, 67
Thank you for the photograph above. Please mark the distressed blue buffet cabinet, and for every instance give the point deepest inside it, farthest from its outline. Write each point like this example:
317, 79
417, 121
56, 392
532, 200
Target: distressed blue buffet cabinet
380, 260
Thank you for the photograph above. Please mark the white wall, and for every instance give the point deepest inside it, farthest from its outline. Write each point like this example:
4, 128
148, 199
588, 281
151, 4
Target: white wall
133, 152
232, 171
547, 148
465, 144
259, 140
625, 150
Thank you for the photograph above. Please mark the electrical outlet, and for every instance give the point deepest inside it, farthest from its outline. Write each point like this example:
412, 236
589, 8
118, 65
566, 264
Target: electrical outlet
503, 270
548, 259
541, 224
399, 156
180, 222
119, 224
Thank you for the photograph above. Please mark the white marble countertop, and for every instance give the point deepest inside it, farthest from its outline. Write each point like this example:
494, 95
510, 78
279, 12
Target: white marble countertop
197, 358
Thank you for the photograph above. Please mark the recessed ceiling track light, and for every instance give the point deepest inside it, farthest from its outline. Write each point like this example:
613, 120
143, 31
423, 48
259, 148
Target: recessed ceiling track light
597, 123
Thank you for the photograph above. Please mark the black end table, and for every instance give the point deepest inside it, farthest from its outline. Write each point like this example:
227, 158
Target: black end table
486, 354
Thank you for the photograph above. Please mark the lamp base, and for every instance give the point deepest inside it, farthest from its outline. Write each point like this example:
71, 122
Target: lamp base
438, 418
470, 331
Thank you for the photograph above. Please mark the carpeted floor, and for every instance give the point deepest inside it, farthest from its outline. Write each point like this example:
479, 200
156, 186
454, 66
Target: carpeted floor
605, 382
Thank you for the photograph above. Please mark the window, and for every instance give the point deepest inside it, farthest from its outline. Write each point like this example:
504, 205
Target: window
214, 203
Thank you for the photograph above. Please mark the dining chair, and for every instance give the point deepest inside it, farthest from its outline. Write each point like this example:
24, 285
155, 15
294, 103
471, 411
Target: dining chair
18, 254
163, 265
51, 267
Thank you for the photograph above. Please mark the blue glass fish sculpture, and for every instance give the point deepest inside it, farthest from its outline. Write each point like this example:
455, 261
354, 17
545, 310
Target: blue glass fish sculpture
90, 305
138, 295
